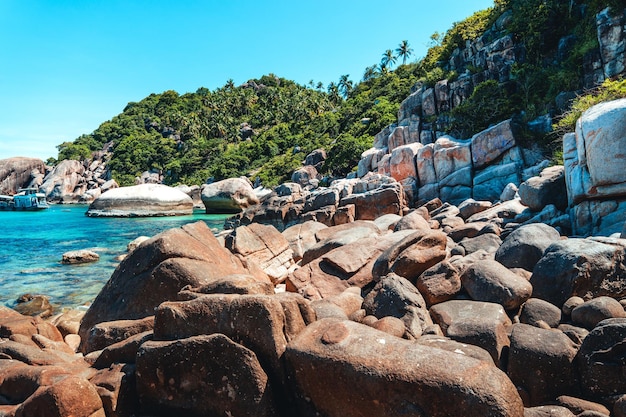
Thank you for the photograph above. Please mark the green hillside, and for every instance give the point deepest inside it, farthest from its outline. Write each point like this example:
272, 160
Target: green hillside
265, 127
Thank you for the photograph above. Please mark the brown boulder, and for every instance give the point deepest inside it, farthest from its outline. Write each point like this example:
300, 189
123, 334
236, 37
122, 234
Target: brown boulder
387, 199
342, 368
202, 375
474, 322
157, 270
302, 236
439, 283
231, 195
413, 255
72, 396
107, 333
116, 388
349, 265
491, 281
265, 246
541, 362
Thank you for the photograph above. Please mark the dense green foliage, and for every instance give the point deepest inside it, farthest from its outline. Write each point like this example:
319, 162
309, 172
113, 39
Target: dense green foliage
609, 90
196, 136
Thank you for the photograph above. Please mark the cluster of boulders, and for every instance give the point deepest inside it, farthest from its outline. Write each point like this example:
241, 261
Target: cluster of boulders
444, 310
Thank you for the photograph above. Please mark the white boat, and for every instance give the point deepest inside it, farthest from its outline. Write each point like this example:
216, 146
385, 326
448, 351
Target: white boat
25, 199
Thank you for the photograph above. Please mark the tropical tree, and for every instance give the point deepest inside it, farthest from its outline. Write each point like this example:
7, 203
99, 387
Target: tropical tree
404, 51
333, 92
388, 59
370, 72
345, 85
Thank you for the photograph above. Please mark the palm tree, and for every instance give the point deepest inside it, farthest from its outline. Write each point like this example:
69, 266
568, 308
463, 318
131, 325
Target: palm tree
388, 59
345, 85
333, 92
404, 51
370, 72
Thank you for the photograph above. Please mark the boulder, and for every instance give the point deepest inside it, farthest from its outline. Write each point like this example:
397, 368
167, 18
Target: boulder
231, 195
489, 144
265, 246
412, 255
345, 266
541, 362
538, 313
65, 182
342, 368
491, 281
500, 213
592, 312
578, 405
524, 246
140, 201
304, 175
547, 188
202, 375
579, 267
82, 256
15, 173
412, 221
490, 183
71, 396
116, 388
439, 283
157, 270
316, 158
387, 199
402, 162
488, 242
107, 333
600, 360
451, 156
396, 297
476, 323
338, 236
548, 411
601, 144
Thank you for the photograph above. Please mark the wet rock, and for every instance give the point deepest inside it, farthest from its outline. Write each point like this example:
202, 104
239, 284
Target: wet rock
34, 305
82, 256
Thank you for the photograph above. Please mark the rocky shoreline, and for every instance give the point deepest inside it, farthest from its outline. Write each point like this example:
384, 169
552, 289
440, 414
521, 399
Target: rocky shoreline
358, 299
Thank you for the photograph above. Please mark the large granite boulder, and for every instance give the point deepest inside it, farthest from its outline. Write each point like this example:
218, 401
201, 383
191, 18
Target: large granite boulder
580, 267
157, 270
231, 195
141, 200
402, 162
342, 368
65, 182
489, 144
265, 246
15, 173
547, 188
523, 247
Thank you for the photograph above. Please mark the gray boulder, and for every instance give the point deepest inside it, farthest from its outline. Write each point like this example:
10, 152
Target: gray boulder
592, 312
547, 188
397, 297
141, 201
231, 195
582, 267
523, 247
66, 182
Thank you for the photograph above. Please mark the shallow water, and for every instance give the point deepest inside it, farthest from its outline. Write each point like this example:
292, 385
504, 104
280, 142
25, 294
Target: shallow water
32, 244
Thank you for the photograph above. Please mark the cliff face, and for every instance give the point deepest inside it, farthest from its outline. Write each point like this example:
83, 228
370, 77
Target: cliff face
430, 164
16, 173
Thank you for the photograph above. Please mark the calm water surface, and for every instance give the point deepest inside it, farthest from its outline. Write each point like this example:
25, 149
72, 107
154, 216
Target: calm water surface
32, 244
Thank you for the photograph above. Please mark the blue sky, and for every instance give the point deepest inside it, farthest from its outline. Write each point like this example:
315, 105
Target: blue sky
69, 65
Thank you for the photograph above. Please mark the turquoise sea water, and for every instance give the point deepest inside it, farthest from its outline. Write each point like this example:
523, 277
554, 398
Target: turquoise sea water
32, 245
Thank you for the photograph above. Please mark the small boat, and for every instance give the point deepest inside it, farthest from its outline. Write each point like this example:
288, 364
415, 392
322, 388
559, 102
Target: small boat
25, 199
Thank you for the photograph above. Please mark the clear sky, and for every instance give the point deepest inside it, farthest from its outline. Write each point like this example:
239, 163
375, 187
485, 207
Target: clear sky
69, 65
